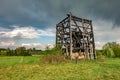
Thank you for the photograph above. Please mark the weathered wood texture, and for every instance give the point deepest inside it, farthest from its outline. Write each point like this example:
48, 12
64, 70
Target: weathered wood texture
76, 34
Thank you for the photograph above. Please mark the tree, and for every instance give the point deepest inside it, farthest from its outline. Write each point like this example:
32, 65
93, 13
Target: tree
108, 52
110, 44
21, 51
111, 49
34, 49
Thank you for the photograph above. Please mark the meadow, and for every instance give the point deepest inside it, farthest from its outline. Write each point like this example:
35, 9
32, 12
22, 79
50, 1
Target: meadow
31, 68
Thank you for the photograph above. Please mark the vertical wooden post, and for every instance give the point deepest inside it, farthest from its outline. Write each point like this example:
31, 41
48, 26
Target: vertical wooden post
83, 34
93, 42
87, 52
70, 34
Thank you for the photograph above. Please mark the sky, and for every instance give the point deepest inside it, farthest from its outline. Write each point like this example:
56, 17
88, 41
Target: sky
31, 23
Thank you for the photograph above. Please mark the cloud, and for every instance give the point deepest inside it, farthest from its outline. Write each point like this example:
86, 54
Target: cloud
49, 12
26, 32
38, 46
118, 41
21, 36
47, 32
99, 45
43, 15
7, 43
104, 31
13, 45
20, 33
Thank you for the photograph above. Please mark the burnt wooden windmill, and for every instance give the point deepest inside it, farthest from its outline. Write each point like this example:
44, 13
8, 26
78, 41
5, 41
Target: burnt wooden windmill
76, 34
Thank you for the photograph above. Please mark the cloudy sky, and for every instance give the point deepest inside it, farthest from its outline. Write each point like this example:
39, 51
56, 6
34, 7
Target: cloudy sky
31, 23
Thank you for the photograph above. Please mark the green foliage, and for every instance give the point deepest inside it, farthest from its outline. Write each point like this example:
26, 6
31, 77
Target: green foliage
116, 51
20, 51
53, 55
111, 49
56, 50
108, 52
98, 52
3, 52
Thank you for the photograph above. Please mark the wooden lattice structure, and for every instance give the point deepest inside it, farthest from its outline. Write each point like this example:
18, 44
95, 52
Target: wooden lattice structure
76, 34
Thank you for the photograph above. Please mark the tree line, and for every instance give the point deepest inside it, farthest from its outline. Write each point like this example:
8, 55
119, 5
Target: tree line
20, 51
110, 49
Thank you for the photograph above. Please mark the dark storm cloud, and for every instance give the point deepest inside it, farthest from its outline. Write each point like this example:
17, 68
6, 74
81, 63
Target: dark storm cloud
106, 9
45, 13
31, 12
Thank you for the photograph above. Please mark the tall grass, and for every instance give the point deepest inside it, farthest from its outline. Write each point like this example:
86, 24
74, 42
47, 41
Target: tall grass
108, 69
54, 55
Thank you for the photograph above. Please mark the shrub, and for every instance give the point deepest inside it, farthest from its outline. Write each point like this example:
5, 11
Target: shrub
3, 53
116, 51
111, 49
108, 52
56, 50
99, 52
54, 55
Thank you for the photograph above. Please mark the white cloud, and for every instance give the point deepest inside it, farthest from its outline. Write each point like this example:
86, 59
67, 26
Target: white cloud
7, 43
9, 37
118, 41
47, 32
13, 45
20, 33
38, 46
50, 46
104, 32
99, 45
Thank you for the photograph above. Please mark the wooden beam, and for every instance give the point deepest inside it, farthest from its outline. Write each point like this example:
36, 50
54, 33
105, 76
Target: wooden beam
70, 34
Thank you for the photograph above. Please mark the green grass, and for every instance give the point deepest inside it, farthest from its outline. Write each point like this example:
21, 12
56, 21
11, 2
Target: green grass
14, 60
30, 68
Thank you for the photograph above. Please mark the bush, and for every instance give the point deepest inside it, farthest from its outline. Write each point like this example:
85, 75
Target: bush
116, 51
111, 50
56, 50
99, 52
108, 52
3, 53
54, 55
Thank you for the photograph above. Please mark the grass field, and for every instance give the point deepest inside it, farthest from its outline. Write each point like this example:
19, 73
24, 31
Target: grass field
30, 68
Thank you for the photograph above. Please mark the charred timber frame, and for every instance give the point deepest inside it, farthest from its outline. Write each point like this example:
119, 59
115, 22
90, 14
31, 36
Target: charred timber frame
76, 34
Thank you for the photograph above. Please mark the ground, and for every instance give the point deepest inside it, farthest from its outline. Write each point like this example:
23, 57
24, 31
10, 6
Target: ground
31, 68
